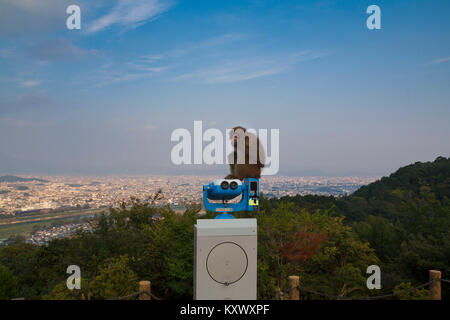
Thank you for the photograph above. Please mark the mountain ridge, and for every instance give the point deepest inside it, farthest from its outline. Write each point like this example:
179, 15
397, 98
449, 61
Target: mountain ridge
12, 178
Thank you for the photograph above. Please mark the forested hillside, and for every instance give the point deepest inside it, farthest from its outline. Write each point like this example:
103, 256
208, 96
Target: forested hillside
400, 223
405, 217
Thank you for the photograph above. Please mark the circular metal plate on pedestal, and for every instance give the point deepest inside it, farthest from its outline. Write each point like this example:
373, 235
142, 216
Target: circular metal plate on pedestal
227, 263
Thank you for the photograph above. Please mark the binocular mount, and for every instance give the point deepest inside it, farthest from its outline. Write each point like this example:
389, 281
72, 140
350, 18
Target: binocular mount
228, 189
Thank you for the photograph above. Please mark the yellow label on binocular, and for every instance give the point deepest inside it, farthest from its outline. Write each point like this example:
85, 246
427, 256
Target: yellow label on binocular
253, 202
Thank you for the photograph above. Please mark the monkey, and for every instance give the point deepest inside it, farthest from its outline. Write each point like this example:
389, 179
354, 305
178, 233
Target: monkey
254, 159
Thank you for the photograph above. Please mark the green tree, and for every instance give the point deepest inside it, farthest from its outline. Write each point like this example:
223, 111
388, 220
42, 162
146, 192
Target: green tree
171, 251
115, 279
317, 246
8, 284
383, 236
22, 260
61, 292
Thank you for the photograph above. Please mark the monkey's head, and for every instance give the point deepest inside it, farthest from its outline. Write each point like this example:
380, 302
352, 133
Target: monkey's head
234, 133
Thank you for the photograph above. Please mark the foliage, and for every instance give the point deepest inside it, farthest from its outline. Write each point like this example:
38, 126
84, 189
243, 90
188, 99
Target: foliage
8, 284
404, 291
171, 251
317, 246
22, 260
61, 292
405, 217
115, 279
382, 235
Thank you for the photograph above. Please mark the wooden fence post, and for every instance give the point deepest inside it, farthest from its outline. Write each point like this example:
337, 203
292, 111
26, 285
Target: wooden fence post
435, 285
294, 293
144, 290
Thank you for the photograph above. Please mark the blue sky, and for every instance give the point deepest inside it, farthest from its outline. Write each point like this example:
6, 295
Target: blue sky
105, 99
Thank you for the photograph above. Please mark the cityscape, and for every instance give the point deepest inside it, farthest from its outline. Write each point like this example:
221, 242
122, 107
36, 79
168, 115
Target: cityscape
43, 208
41, 193
41, 237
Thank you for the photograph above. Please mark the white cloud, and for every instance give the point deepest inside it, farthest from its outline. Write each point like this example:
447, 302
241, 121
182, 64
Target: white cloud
150, 65
108, 76
233, 72
58, 49
118, 78
146, 68
242, 70
438, 61
180, 52
31, 17
152, 57
29, 83
130, 14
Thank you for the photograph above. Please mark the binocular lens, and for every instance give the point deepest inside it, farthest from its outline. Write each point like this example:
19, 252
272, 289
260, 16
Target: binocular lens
233, 185
224, 185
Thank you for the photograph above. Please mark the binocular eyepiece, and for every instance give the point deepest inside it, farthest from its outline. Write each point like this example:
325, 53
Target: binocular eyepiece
224, 189
233, 185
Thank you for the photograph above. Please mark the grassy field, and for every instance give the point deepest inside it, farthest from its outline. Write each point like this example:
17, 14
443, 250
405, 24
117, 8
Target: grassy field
23, 229
50, 215
24, 226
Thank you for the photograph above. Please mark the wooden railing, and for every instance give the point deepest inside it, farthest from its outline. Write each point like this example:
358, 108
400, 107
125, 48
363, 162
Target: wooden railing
434, 287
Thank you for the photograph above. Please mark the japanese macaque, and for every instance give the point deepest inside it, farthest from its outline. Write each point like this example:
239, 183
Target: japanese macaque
248, 158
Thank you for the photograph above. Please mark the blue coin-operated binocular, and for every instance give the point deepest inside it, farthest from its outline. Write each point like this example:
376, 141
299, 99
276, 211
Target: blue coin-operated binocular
228, 189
